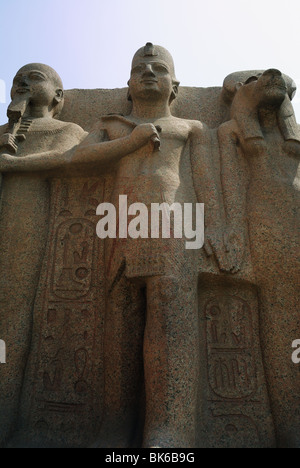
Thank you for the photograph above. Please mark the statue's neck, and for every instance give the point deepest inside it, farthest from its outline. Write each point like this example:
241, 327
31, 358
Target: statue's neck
38, 112
268, 117
150, 110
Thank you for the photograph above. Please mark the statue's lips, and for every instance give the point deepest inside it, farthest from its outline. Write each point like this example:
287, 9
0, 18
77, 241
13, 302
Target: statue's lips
148, 81
22, 90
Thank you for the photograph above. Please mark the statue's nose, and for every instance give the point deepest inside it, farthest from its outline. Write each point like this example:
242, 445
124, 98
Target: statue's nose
149, 71
273, 71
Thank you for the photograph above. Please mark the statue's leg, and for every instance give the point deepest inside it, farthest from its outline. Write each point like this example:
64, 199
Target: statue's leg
23, 234
171, 360
280, 326
15, 329
275, 256
123, 364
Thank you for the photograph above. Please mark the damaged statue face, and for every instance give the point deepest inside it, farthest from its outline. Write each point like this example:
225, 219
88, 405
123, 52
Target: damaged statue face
39, 84
271, 88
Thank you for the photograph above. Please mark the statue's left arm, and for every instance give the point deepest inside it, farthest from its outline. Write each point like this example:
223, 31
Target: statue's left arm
207, 188
234, 192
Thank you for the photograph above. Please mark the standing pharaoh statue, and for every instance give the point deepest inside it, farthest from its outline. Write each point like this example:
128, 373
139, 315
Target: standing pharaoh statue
172, 165
33, 129
264, 133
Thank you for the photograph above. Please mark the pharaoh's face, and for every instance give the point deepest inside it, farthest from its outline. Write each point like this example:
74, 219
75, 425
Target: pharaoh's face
35, 84
272, 88
151, 79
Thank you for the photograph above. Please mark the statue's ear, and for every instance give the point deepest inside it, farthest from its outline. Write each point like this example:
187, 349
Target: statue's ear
174, 91
59, 95
128, 92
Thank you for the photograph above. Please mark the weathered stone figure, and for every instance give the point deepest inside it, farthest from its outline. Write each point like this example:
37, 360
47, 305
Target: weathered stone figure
263, 131
37, 98
160, 276
195, 393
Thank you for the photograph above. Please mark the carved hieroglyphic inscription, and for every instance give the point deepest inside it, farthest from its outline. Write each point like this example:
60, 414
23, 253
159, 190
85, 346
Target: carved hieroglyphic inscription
69, 318
232, 368
237, 412
74, 247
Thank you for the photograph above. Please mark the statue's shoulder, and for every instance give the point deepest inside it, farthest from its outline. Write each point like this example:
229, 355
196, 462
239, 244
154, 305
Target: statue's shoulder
179, 123
70, 127
77, 131
197, 125
230, 126
115, 120
197, 128
3, 129
112, 126
68, 131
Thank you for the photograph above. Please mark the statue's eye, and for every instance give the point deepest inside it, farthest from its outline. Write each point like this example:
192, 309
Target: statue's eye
138, 69
37, 77
160, 68
251, 79
18, 80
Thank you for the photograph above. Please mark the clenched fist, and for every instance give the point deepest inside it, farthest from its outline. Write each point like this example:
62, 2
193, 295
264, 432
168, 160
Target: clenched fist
144, 133
9, 141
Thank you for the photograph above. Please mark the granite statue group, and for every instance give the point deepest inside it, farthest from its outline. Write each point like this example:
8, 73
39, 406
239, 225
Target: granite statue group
158, 343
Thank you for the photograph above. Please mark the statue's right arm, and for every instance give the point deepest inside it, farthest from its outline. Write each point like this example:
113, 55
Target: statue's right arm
104, 154
91, 153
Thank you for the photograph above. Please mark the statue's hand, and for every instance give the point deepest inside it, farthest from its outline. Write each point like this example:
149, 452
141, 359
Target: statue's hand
144, 134
7, 161
214, 245
235, 244
228, 246
292, 147
7, 140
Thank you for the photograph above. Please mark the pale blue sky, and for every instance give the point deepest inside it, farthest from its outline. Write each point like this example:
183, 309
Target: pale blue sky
91, 42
